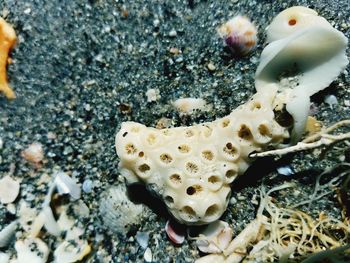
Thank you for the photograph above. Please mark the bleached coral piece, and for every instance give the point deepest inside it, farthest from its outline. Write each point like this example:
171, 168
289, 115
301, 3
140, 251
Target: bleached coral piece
191, 168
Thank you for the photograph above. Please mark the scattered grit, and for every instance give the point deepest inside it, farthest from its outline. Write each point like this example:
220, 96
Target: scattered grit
82, 67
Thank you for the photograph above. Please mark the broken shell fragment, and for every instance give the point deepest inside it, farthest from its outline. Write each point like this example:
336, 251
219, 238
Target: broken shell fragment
34, 154
67, 185
71, 251
9, 189
32, 250
215, 238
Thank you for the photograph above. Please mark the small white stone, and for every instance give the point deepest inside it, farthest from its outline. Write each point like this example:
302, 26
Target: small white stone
156, 22
11, 208
173, 33
1, 143
9, 189
331, 100
152, 95
148, 255
27, 11
211, 66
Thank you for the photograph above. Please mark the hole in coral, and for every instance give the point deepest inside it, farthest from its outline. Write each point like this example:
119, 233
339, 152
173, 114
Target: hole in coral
212, 210
175, 178
189, 133
130, 148
230, 173
225, 123
184, 148
214, 179
189, 211
230, 150
169, 200
141, 154
208, 155
194, 189
255, 105
264, 130
292, 22
207, 131
135, 129
244, 132
143, 168
151, 139
166, 158
192, 167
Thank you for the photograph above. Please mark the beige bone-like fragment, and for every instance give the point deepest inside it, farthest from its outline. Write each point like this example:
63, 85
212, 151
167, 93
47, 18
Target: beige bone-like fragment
192, 168
7, 41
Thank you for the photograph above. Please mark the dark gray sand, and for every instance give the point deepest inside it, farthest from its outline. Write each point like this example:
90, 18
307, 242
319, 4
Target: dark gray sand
81, 68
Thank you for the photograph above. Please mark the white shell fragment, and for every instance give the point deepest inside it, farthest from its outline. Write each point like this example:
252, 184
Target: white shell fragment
148, 255
34, 153
71, 251
142, 239
307, 46
7, 233
4, 258
9, 189
32, 250
67, 185
215, 238
188, 105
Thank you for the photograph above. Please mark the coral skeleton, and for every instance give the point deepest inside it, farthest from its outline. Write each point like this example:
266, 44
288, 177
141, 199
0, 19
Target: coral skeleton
191, 168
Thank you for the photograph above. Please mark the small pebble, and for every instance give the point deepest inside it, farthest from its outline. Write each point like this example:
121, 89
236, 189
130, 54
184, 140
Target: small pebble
285, 170
87, 186
148, 255
9, 189
331, 100
173, 33
211, 66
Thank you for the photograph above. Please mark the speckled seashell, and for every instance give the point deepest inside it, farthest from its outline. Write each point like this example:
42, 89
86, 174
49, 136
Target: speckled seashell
118, 213
239, 34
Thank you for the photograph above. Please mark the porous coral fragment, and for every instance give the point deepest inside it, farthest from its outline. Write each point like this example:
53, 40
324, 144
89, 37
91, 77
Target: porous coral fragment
191, 168
7, 41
